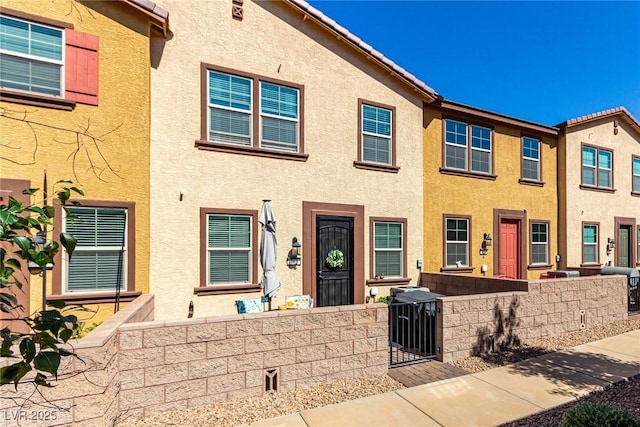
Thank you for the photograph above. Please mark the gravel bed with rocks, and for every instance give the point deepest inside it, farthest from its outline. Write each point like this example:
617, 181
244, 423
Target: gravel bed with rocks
247, 410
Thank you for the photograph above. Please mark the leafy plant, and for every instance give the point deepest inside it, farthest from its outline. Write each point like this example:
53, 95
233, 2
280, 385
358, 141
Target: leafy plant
587, 414
83, 330
23, 241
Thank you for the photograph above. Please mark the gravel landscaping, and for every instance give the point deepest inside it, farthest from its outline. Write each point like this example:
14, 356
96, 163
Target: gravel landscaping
230, 413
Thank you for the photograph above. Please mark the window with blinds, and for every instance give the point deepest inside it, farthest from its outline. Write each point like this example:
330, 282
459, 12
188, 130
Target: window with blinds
279, 117
590, 243
229, 249
388, 249
458, 155
376, 134
531, 158
98, 263
31, 57
456, 242
232, 119
539, 243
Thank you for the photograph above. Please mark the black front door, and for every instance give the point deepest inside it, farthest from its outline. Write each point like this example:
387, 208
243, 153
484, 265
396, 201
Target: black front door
334, 279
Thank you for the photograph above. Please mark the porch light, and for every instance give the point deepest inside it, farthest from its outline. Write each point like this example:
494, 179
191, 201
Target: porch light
486, 239
293, 258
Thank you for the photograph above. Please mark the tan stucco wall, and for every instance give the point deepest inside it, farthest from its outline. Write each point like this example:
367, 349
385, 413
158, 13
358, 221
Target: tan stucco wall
121, 121
595, 206
462, 195
270, 41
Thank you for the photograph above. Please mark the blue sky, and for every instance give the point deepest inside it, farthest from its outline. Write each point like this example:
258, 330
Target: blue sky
540, 61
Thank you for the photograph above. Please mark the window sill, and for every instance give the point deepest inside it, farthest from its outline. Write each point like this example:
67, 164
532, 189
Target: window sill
36, 100
468, 174
96, 298
376, 167
250, 151
591, 264
635, 194
392, 281
532, 182
600, 189
227, 289
465, 269
539, 266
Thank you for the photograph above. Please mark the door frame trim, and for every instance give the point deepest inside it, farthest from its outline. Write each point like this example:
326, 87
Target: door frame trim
310, 212
617, 222
500, 215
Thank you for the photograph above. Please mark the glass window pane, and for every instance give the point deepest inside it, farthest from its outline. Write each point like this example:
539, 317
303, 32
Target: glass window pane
588, 156
278, 100
455, 132
456, 157
588, 176
530, 169
278, 134
480, 161
376, 149
481, 137
604, 159
604, 178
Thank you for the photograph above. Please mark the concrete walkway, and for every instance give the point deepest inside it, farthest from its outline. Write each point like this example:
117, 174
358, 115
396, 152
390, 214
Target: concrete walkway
487, 398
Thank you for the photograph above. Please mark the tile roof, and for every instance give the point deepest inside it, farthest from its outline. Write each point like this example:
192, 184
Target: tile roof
364, 47
618, 111
158, 15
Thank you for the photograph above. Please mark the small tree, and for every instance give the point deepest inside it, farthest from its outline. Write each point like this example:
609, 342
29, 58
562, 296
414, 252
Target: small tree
23, 241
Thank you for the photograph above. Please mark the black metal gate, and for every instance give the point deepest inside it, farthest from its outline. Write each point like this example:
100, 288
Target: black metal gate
334, 285
634, 294
412, 331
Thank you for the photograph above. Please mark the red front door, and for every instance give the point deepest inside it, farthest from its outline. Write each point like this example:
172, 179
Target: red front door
510, 248
13, 188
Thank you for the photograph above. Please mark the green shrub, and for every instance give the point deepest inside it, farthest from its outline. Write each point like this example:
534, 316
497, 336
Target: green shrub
588, 414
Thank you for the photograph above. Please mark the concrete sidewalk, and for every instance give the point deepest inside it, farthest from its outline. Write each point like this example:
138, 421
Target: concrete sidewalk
487, 398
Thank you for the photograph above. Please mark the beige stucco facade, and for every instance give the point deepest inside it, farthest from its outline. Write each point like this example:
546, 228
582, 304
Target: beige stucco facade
276, 41
103, 148
486, 200
613, 210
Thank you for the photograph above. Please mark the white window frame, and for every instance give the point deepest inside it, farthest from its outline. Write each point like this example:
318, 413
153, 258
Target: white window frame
262, 141
467, 261
544, 244
79, 249
31, 58
399, 250
468, 147
388, 138
248, 250
594, 244
535, 160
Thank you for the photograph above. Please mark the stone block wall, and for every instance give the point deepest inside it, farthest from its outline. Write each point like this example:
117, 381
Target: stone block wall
460, 284
484, 322
133, 367
182, 364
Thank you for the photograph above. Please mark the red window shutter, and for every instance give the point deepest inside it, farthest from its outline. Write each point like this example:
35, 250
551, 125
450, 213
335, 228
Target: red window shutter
81, 62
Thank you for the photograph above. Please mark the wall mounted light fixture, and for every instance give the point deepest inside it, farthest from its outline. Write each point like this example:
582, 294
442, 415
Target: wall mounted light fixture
293, 257
487, 239
611, 244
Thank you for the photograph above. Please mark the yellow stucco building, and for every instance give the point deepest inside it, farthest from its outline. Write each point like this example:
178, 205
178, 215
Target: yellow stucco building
74, 102
490, 201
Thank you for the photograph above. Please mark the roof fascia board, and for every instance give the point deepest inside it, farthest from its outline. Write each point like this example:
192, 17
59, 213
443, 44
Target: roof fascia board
158, 16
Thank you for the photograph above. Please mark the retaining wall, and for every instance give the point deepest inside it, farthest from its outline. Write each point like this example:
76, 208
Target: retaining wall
134, 367
500, 313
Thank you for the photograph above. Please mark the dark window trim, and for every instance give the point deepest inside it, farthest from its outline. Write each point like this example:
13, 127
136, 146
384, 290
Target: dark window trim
254, 149
36, 100
205, 288
380, 167
597, 187
546, 264
130, 290
464, 268
468, 174
372, 221
633, 191
35, 18
597, 262
529, 181
468, 171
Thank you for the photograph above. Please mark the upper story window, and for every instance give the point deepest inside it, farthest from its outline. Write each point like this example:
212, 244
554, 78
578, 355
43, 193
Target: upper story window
531, 159
636, 174
376, 137
249, 114
388, 253
475, 156
31, 57
597, 167
100, 262
44, 62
